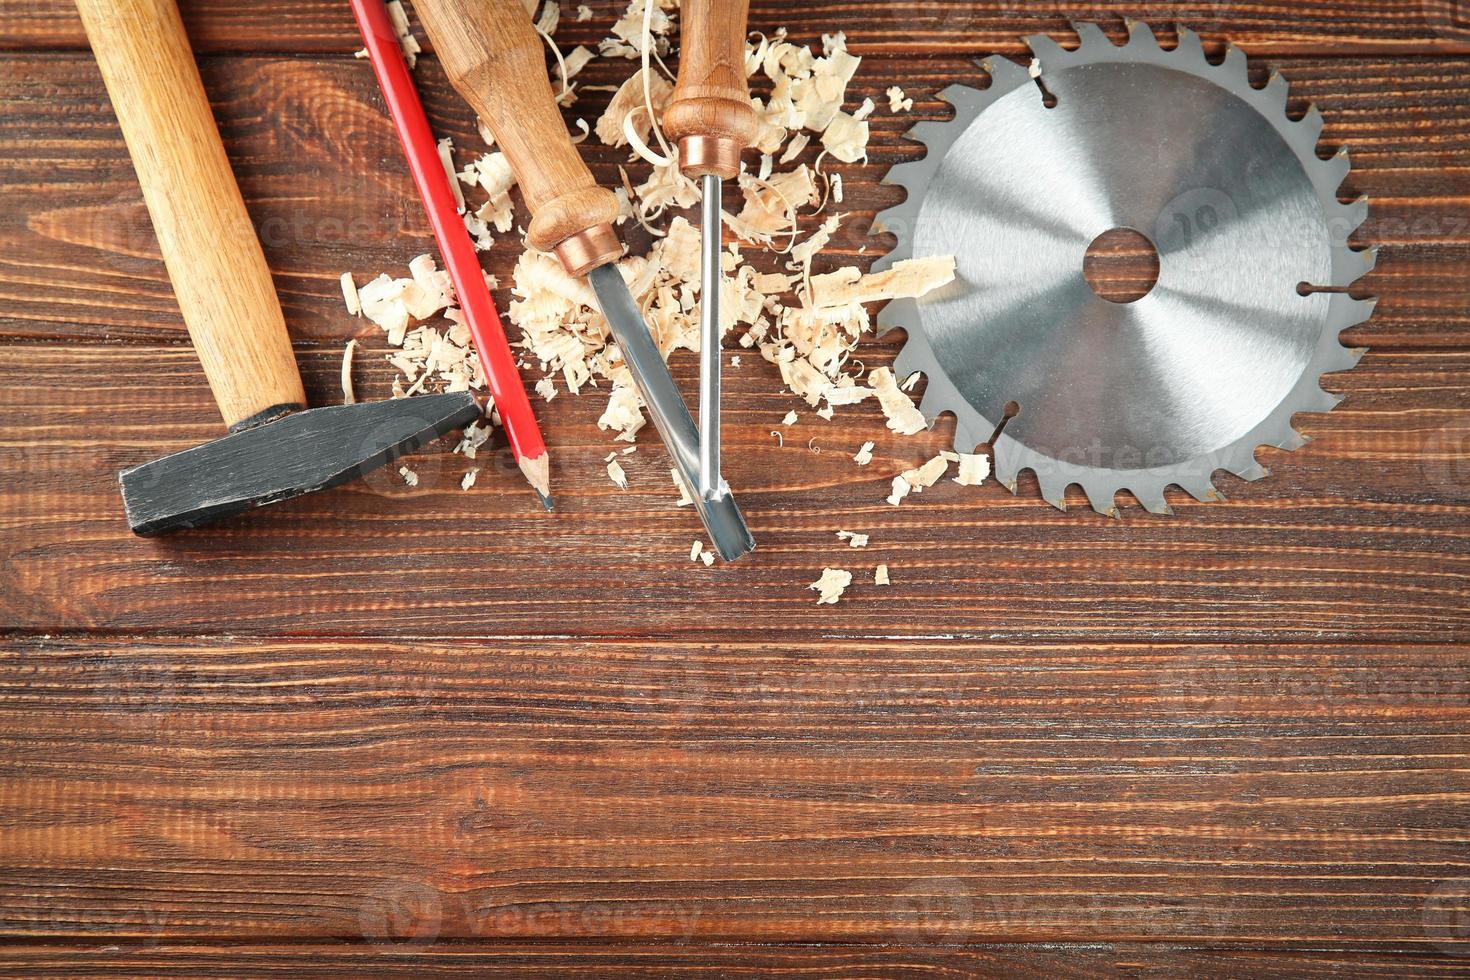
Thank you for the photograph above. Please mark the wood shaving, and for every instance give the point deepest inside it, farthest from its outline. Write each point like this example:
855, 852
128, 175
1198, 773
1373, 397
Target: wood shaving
446, 157
615, 472
471, 439
903, 417
790, 419
918, 479
880, 575
831, 585
349, 295
853, 539
584, 13
897, 102
406, 40
907, 279
409, 476
628, 100
973, 469
684, 499
546, 388
348, 397
695, 551
469, 478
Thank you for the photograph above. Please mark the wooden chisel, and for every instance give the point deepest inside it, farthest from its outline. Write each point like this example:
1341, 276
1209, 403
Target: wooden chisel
493, 57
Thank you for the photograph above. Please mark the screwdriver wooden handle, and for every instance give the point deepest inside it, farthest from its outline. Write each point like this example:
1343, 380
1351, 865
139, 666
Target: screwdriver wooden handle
494, 58
214, 260
710, 114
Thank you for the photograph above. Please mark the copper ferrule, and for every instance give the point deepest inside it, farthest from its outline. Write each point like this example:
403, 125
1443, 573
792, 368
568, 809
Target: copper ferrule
588, 249
717, 155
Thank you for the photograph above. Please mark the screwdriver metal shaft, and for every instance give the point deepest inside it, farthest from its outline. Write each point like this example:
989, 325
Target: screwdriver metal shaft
711, 485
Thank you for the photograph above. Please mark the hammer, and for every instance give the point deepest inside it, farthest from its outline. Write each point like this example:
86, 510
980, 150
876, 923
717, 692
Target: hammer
276, 448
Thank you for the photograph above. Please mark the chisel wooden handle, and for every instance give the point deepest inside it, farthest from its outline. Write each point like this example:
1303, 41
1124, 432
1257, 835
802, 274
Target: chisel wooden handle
496, 61
710, 114
213, 257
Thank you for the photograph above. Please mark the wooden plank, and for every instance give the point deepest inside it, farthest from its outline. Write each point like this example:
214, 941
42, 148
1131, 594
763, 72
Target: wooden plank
669, 960
1361, 535
969, 27
225, 790
323, 174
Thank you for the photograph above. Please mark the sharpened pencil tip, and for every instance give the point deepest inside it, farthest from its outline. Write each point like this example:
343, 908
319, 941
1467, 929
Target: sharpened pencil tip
545, 499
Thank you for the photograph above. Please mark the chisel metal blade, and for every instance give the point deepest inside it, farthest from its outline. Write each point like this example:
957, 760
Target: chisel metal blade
722, 518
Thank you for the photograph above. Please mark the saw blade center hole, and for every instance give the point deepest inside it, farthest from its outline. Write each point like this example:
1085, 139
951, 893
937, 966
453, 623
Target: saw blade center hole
1121, 265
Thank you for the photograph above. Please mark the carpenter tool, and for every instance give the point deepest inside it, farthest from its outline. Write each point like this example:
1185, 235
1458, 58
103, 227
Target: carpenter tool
494, 59
455, 246
710, 118
1196, 374
275, 449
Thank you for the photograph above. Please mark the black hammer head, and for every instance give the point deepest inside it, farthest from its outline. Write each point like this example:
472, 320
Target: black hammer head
294, 455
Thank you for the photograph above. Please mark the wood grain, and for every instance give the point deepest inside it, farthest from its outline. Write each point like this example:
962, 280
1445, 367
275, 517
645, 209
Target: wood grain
736, 961
1360, 535
961, 28
329, 190
912, 792
394, 732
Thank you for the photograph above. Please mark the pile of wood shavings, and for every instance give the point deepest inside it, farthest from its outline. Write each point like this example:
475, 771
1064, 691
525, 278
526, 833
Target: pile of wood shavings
807, 325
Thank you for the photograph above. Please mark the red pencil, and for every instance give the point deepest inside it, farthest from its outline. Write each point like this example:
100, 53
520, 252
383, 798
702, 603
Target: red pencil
458, 251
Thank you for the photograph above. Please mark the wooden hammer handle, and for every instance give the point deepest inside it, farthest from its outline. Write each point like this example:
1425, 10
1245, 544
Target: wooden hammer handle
496, 61
710, 114
214, 260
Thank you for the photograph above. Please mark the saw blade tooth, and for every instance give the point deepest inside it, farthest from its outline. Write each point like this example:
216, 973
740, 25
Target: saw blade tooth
1347, 312
1351, 264
1047, 52
1335, 357
1103, 498
1349, 217
1190, 45
1005, 475
1236, 64
1291, 440
967, 437
959, 92
1276, 91
911, 358
933, 404
1139, 32
1203, 491
899, 313
1317, 400
1003, 72
1311, 125
1335, 169
1089, 33
1251, 471
1152, 500
1054, 490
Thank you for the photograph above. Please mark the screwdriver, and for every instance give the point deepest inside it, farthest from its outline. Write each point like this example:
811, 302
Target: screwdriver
494, 59
710, 118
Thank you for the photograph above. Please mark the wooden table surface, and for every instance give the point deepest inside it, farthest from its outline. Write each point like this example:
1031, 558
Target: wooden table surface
403, 732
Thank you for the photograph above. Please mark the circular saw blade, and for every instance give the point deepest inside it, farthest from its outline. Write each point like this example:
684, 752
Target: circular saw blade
1209, 364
